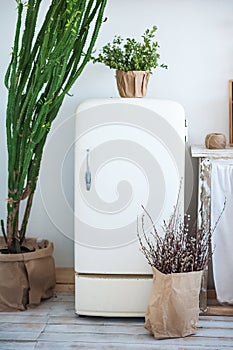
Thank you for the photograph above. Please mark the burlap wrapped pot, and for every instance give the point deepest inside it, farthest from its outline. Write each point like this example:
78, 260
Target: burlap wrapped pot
27, 278
133, 83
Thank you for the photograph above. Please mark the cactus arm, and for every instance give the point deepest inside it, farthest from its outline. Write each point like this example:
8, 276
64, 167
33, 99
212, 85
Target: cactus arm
11, 81
28, 34
32, 178
98, 23
41, 72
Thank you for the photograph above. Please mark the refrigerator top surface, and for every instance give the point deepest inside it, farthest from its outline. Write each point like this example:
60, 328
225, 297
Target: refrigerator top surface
170, 110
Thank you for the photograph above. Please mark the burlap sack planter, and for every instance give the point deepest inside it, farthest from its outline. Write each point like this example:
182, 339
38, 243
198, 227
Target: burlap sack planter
133, 83
173, 307
27, 278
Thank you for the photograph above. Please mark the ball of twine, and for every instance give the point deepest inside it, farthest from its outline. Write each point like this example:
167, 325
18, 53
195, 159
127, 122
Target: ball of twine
215, 141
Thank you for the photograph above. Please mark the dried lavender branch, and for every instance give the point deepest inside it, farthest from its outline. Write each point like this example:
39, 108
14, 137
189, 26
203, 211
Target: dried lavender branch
153, 225
180, 249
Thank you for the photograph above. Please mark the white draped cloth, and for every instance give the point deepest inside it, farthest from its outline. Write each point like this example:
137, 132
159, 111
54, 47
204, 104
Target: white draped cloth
222, 240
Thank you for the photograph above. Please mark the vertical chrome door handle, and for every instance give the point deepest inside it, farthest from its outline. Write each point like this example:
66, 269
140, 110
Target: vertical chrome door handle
88, 171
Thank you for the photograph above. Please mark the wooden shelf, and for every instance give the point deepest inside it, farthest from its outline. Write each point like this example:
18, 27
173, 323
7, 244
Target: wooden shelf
200, 151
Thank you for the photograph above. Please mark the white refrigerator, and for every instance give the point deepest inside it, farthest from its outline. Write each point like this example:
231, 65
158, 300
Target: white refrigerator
128, 153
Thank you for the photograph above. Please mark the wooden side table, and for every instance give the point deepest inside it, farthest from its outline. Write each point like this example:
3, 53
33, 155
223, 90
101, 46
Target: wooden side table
205, 157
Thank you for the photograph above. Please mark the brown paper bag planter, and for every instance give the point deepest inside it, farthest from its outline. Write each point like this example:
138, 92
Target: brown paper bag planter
173, 307
133, 83
27, 278
178, 256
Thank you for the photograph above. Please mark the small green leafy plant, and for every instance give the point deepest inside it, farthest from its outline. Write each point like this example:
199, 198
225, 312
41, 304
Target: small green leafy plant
130, 55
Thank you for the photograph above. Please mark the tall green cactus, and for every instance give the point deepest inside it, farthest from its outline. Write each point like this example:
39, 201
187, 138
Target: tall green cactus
42, 70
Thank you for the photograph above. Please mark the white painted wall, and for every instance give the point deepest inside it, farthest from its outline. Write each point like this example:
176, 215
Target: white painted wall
196, 42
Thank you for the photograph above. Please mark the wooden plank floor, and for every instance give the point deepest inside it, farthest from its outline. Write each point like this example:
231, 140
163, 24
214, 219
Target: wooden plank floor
54, 325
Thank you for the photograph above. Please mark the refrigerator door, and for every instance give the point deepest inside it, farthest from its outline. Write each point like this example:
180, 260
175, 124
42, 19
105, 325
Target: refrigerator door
128, 153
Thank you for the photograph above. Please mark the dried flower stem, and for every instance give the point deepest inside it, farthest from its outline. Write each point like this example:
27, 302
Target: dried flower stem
180, 249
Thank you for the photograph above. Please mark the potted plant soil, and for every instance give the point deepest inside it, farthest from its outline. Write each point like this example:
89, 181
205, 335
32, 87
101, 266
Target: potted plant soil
133, 61
42, 70
178, 256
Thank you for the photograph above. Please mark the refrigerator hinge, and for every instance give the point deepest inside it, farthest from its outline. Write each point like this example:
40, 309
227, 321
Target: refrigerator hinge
186, 130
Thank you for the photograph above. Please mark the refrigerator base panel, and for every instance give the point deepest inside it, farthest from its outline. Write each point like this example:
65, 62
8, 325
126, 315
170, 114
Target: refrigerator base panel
112, 295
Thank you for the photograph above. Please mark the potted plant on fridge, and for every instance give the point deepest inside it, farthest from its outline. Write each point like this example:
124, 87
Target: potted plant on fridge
178, 257
133, 60
42, 70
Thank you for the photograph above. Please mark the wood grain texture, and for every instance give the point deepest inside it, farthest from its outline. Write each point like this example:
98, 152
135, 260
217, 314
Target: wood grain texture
54, 325
65, 275
220, 310
211, 294
66, 288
